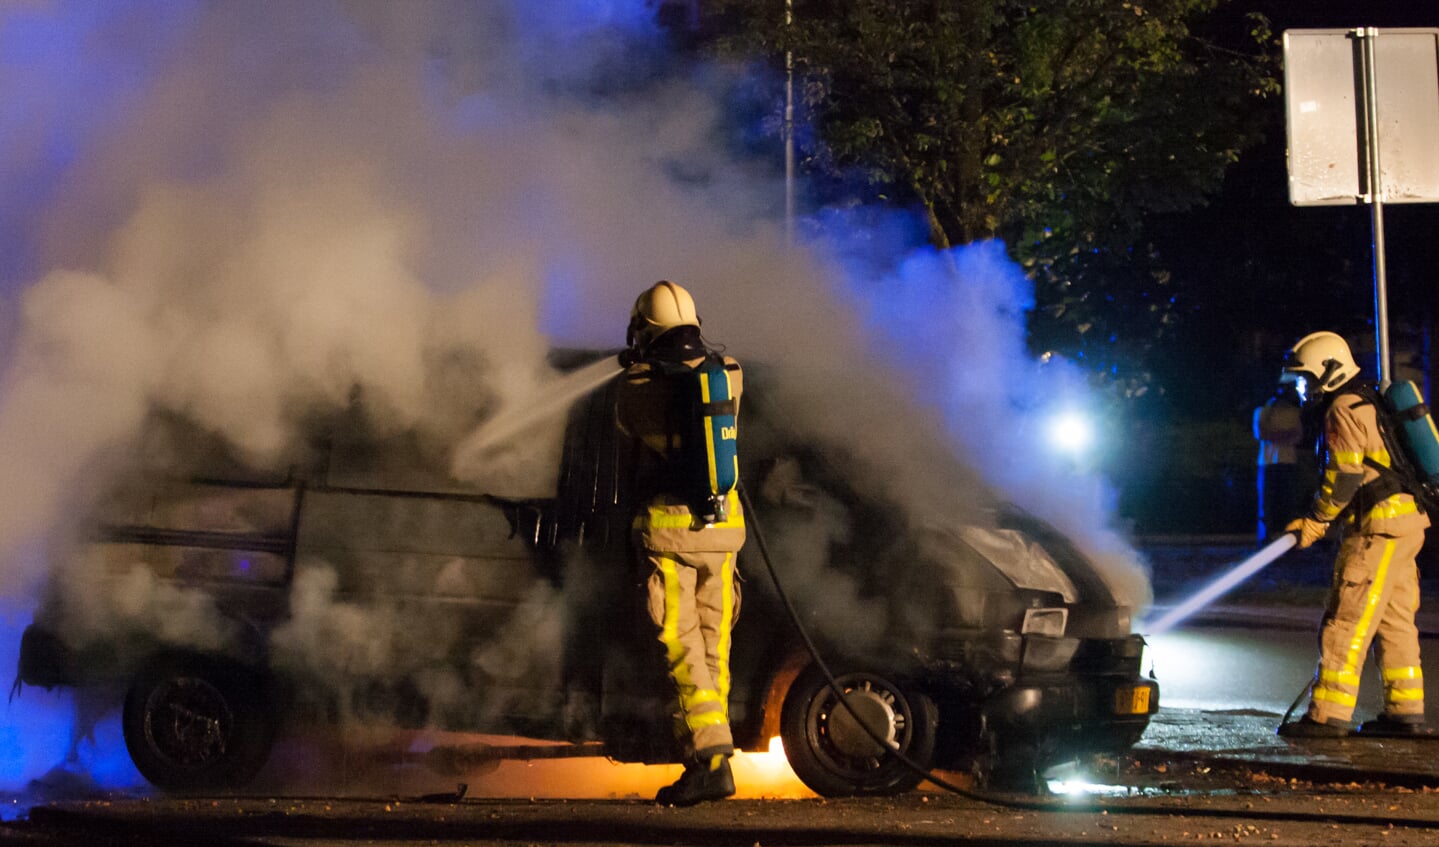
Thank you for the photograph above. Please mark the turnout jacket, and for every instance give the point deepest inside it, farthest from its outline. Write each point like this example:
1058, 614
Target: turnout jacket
1351, 435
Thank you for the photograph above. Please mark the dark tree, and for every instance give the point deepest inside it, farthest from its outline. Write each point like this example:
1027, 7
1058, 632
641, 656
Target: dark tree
1059, 127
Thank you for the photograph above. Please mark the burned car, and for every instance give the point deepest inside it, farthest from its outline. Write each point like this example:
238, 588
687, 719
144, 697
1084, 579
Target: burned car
363, 582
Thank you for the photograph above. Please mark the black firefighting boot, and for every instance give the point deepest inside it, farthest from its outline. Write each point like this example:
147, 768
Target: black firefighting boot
706, 778
1307, 727
1395, 726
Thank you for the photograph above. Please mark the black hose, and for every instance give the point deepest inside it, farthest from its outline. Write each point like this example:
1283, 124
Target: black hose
753, 527
1303, 692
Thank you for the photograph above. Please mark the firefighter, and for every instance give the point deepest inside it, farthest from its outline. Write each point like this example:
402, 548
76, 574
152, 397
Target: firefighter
688, 548
1375, 591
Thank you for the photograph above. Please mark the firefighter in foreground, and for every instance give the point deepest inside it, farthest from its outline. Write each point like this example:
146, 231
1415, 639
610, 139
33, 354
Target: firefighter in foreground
679, 400
1375, 592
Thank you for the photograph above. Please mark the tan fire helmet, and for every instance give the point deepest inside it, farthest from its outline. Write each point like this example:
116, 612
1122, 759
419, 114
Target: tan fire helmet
662, 307
1323, 360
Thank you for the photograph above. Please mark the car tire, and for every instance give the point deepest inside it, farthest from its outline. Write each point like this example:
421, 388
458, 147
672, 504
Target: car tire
829, 750
194, 723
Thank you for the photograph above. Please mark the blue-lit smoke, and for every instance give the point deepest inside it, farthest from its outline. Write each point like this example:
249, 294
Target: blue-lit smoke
55, 743
232, 210
951, 326
58, 106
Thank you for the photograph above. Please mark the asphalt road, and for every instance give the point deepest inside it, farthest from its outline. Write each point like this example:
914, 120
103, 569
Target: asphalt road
1257, 663
1292, 816
1209, 769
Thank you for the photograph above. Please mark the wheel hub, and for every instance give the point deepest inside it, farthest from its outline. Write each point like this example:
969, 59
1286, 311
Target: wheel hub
186, 722
846, 733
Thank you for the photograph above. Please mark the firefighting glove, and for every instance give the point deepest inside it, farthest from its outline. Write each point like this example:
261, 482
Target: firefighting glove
1309, 529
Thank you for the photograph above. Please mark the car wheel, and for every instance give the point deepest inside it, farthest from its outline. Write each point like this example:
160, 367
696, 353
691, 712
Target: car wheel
829, 749
197, 723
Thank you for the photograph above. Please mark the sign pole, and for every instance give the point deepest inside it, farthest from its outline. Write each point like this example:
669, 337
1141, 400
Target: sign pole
1375, 198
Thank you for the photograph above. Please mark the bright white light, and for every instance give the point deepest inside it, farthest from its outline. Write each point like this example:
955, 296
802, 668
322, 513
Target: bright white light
1071, 432
1080, 787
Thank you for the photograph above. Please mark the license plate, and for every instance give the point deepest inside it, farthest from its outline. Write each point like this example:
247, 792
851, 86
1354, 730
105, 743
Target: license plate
1131, 700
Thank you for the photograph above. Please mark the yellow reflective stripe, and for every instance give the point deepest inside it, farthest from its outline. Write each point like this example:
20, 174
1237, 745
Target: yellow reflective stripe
1327, 510
670, 630
704, 695
1348, 457
1339, 677
1411, 672
709, 431
660, 519
1396, 695
699, 720
1393, 507
1333, 696
1381, 574
726, 614
1381, 456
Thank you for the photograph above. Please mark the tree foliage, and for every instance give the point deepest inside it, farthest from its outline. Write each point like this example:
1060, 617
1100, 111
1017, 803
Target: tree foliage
1056, 125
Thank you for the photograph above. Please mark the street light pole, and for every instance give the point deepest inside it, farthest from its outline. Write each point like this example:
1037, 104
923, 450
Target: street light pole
788, 130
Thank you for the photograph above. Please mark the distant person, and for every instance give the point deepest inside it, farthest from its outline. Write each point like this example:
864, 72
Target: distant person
687, 540
1375, 592
1278, 428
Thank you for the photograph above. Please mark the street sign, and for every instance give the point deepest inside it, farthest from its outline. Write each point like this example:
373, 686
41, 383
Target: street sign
1362, 116
1326, 102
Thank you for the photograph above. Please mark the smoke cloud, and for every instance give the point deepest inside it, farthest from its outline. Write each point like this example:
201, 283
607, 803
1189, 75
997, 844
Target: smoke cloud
250, 215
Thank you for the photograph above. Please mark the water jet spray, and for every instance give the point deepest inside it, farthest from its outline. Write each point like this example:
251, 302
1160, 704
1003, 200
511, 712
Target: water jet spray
1214, 590
556, 398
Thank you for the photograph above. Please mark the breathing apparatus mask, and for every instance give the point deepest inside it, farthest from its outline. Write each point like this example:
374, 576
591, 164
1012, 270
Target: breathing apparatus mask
1319, 363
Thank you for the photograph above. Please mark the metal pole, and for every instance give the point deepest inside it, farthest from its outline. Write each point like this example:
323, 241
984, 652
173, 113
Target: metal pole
1367, 37
788, 131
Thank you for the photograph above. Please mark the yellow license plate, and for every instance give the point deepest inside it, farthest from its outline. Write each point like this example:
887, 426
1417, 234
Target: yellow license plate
1131, 700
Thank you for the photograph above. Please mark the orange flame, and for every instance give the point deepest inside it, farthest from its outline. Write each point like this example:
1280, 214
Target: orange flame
371, 760
757, 776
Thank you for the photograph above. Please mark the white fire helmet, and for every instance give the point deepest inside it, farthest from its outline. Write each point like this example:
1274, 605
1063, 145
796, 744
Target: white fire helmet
1321, 362
662, 307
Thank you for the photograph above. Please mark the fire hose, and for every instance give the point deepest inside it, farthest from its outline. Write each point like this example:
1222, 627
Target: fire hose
1245, 569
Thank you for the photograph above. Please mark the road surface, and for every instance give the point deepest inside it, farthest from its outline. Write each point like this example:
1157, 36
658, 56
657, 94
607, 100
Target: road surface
1209, 770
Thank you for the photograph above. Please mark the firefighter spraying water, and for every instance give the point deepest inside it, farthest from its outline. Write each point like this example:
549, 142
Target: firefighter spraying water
679, 401
1370, 489
1380, 455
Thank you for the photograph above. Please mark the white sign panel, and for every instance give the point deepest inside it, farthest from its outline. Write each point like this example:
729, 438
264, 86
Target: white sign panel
1325, 102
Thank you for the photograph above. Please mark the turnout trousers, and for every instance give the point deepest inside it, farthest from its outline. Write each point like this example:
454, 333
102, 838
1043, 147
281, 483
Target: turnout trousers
692, 601
1373, 600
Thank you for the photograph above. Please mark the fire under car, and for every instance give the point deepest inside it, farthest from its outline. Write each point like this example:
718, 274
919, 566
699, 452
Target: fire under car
363, 582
